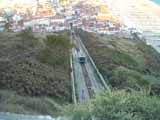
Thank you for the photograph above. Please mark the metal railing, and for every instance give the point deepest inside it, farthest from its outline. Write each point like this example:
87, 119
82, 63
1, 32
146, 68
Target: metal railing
72, 76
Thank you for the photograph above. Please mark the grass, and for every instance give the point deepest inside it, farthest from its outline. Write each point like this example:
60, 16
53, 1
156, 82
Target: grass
36, 69
125, 63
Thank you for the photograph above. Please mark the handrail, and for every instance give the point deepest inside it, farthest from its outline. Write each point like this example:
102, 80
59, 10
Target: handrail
72, 74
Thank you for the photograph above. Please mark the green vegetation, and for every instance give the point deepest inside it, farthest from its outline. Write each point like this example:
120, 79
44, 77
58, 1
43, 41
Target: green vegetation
118, 105
129, 65
8, 17
59, 47
125, 63
34, 77
14, 103
34, 72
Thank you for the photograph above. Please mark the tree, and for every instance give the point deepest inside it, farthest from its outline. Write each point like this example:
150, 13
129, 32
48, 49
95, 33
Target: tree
8, 16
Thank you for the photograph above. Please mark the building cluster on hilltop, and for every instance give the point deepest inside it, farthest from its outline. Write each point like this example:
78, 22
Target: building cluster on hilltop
56, 15
96, 18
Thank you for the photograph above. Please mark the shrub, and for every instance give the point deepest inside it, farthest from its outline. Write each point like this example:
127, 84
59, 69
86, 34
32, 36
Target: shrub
29, 69
57, 50
120, 105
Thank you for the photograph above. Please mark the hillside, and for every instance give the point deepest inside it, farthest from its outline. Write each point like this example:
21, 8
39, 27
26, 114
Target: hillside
125, 63
34, 72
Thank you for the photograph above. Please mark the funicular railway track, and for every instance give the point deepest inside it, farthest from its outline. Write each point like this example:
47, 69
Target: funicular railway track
88, 81
89, 77
85, 73
86, 92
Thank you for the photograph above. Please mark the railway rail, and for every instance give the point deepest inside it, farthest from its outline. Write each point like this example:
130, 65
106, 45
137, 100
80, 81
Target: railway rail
88, 81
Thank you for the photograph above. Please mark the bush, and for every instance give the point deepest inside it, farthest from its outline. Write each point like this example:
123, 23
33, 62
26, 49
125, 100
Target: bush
26, 34
120, 105
29, 69
14, 103
57, 50
129, 78
55, 41
28, 39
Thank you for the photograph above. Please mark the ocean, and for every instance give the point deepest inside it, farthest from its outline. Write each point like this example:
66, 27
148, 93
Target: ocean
156, 1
